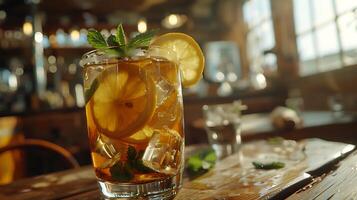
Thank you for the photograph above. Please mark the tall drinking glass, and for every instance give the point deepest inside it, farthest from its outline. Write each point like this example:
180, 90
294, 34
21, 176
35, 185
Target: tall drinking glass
135, 123
223, 127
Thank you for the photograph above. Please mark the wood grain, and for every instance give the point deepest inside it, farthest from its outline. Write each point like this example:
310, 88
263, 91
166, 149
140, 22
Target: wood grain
337, 185
52, 186
232, 178
236, 178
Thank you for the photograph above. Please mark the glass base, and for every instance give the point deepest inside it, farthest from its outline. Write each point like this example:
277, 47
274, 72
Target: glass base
157, 190
224, 150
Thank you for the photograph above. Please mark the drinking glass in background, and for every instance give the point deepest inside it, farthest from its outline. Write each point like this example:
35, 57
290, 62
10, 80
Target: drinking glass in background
336, 105
223, 127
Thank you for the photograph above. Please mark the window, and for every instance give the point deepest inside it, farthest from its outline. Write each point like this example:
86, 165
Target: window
260, 35
326, 34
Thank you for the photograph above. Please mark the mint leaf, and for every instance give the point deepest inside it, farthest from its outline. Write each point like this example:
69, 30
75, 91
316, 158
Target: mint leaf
120, 36
140, 167
121, 172
201, 162
89, 92
96, 39
132, 153
271, 165
111, 40
113, 52
210, 157
275, 140
142, 39
121, 47
194, 163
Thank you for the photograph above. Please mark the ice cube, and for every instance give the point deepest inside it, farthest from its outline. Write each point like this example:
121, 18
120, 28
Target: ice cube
167, 116
164, 90
105, 148
164, 152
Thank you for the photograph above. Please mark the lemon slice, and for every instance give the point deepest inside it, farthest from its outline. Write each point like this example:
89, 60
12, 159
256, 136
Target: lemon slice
124, 100
189, 54
142, 136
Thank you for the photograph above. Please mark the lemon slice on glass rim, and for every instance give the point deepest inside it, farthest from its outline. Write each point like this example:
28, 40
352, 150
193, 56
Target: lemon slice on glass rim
189, 54
124, 100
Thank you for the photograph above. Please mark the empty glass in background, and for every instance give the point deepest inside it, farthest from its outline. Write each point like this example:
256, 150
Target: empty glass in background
223, 127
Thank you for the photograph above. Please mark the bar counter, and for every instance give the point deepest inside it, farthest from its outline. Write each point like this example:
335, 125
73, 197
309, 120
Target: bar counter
325, 170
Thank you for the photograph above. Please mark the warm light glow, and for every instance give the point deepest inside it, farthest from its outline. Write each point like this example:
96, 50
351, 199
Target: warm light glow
261, 81
72, 68
75, 35
13, 82
220, 76
142, 26
79, 95
2, 14
38, 37
52, 68
113, 31
53, 39
51, 60
173, 19
105, 32
19, 71
232, 77
27, 28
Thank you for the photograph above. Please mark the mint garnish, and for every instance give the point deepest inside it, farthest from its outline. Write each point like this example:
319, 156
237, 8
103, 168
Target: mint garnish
120, 35
135, 160
271, 165
96, 39
275, 140
132, 153
88, 93
201, 162
121, 172
117, 44
124, 170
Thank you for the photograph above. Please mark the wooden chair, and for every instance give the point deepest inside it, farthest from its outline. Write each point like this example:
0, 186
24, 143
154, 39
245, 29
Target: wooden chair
32, 144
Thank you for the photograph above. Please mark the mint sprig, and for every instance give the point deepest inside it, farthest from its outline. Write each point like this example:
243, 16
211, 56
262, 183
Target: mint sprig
88, 93
124, 171
270, 165
120, 35
118, 45
201, 162
96, 39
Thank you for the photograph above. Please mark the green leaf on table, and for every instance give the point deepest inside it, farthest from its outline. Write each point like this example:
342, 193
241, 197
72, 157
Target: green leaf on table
96, 39
210, 157
88, 93
194, 163
275, 140
270, 165
201, 162
121, 172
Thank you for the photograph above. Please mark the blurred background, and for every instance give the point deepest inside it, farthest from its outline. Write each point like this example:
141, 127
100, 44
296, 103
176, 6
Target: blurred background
296, 53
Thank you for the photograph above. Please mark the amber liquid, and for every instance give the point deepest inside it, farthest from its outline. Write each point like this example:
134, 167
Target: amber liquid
167, 115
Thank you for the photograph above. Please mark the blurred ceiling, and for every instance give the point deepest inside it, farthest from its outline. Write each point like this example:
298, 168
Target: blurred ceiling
74, 11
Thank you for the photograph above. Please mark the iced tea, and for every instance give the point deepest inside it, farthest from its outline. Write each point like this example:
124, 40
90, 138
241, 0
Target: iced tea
135, 118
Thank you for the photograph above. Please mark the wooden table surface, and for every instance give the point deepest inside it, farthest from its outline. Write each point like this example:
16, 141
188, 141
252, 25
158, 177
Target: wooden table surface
314, 169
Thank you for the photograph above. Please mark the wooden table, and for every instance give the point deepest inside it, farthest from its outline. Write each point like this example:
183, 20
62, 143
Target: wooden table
314, 169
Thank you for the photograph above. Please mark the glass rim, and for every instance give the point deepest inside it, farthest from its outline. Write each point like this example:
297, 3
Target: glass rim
144, 51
